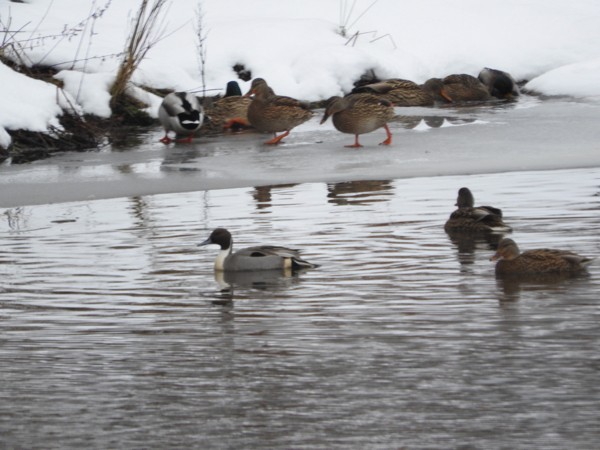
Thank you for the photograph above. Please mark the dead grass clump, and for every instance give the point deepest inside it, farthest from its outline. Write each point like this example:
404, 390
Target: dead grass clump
146, 31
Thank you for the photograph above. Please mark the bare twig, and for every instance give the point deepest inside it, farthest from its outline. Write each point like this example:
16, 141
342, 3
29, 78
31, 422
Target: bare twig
347, 13
201, 35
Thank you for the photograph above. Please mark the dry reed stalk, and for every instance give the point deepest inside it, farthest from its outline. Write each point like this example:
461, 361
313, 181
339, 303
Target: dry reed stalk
146, 32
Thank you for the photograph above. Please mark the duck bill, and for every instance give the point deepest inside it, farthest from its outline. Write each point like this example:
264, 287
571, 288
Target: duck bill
325, 117
206, 242
496, 257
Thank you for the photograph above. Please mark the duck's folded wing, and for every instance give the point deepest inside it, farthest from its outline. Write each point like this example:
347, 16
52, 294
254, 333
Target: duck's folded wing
268, 250
271, 253
289, 102
480, 213
492, 210
576, 259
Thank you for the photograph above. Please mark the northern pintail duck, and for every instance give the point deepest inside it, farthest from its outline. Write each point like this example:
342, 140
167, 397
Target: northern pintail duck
500, 84
182, 113
477, 219
358, 114
538, 261
275, 113
266, 257
457, 88
399, 92
230, 111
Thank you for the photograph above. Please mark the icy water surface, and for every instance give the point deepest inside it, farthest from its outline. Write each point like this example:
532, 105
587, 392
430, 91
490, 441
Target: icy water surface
114, 332
526, 135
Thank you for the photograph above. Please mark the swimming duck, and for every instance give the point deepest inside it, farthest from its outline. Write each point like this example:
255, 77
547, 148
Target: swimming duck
539, 261
477, 219
500, 84
265, 257
358, 114
273, 113
182, 113
399, 92
457, 88
230, 111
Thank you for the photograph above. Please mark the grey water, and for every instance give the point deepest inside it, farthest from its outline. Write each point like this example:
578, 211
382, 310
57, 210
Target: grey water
116, 333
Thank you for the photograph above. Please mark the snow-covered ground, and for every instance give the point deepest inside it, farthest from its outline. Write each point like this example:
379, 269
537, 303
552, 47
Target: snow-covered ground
297, 46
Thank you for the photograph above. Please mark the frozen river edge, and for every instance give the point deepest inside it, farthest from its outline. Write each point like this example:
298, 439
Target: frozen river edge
528, 135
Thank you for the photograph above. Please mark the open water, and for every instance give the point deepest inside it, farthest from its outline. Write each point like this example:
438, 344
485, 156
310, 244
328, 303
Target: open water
115, 333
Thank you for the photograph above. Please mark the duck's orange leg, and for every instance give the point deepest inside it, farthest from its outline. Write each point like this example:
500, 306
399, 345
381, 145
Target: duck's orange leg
187, 140
356, 143
388, 140
277, 139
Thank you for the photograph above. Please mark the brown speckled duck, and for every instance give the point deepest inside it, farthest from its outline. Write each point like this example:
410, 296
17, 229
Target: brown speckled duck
540, 261
399, 92
477, 219
230, 111
358, 114
274, 113
457, 88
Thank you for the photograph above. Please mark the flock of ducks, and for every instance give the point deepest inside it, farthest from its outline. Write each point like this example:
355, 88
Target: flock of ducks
367, 108
467, 218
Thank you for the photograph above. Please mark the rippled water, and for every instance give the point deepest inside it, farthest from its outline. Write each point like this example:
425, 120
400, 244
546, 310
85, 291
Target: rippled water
114, 332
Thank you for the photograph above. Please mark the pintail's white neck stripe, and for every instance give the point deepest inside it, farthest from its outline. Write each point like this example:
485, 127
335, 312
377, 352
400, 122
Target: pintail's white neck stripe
221, 257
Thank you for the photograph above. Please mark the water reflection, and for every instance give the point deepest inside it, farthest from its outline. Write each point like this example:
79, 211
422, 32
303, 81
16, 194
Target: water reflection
265, 280
262, 195
511, 286
467, 242
15, 218
432, 121
453, 114
359, 192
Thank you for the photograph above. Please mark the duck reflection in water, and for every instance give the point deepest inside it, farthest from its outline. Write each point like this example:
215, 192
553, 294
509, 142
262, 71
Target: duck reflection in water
265, 280
263, 194
511, 286
431, 121
359, 192
467, 242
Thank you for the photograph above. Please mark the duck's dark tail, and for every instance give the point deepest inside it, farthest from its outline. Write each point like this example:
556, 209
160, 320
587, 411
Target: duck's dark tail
298, 264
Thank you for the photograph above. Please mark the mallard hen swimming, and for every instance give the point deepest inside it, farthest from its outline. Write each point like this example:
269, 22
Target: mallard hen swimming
477, 219
398, 91
538, 261
182, 113
359, 114
230, 111
266, 257
274, 113
457, 88
500, 84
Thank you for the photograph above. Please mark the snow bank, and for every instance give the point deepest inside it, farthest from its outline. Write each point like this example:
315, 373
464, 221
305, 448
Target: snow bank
27, 104
297, 47
577, 80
